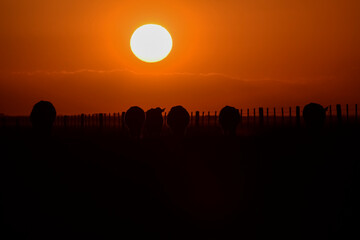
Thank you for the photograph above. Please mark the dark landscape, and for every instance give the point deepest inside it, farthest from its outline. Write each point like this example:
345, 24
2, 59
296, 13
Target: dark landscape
275, 178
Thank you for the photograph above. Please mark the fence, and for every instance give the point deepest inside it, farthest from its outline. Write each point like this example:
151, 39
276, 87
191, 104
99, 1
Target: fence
249, 117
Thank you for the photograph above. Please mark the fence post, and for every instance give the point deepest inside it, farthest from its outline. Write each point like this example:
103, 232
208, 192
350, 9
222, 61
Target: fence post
203, 119
123, 121
338, 113
114, 120
119, 120
208, 118
82, 123
3, 121
356, 113
290, 114
241, 115
191, 119
267, 115
261, 115
197, 118
282, 114
65, 121
17, 122
101, 120
274, 115
297, 116
215, 117
347, 112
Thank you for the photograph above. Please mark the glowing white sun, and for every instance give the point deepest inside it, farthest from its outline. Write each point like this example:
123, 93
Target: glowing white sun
151, 43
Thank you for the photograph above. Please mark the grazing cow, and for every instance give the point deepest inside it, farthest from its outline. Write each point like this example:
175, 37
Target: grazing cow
178, 119
134, 119
154, 121
229, 118
314, 116
42, 117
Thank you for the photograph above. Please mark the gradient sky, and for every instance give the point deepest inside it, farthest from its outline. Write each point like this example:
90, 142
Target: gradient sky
244, 53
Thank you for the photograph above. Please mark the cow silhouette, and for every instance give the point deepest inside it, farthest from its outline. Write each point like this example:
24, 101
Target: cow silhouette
314, 116
229, 118
42, 117
134, 119
154, 121
178, 119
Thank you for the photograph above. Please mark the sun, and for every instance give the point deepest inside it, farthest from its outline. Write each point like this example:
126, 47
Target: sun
151, 43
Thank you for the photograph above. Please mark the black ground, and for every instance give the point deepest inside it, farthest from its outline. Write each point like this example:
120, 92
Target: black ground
281, 183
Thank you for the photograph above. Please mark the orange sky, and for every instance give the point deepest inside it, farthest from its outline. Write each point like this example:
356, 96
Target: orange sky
245, 53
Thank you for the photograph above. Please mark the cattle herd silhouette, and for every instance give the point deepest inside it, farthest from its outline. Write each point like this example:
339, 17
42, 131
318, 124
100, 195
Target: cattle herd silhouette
283, 183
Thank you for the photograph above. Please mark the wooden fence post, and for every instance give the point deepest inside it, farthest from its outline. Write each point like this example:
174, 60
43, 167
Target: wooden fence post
297, 116
101, 120
197, 118
123, 121
241, 115
119, 120
347, 112
3, 121
274, 115
356, 113
290, 115
208, 118
17, 122
282, 114
215, 118
82, 121
64, 121
261, 115
338, 113
114, 120
191, 119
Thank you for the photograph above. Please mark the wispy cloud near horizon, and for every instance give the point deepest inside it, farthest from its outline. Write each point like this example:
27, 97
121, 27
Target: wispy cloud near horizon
150, 74
90, 90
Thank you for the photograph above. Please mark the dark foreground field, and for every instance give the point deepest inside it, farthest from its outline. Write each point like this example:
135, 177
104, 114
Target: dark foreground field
281, 183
